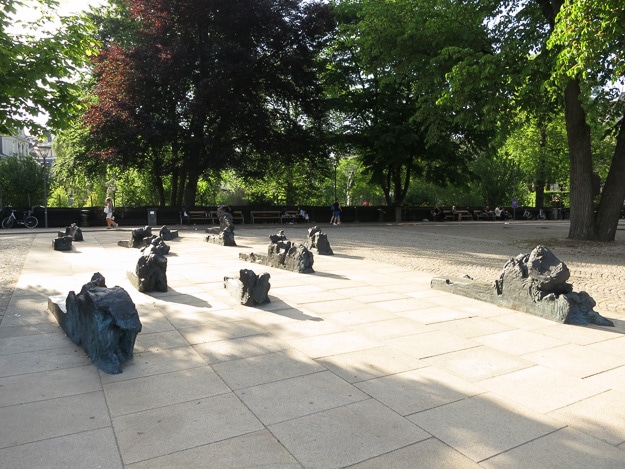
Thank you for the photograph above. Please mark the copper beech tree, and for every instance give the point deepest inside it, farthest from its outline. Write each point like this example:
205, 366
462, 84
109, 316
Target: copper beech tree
208, 85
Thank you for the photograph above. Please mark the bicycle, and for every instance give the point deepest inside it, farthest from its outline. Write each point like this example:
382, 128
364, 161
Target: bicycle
28, 219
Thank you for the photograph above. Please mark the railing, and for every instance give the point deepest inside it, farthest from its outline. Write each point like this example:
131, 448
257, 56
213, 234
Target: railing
138, 216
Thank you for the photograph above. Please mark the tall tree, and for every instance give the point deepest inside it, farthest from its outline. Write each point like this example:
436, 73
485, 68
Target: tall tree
589, 36
213, 85
387, 71
573, 49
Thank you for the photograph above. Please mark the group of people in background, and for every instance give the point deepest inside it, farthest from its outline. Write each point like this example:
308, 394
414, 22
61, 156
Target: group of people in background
498, 214
502, 213
300, 214
438, 214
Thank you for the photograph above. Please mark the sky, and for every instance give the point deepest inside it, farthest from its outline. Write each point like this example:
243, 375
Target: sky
65, 8
69, 7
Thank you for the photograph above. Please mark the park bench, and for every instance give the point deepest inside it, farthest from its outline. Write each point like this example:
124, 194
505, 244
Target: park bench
200, 215
265, 215
462, 214
195, 216
290, 216
236, 215
275, 215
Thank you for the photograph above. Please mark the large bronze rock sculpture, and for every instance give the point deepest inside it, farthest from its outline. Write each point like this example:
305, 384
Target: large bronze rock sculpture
151, 271
73, 231
62, 243
280, 241
226, 229
103, 320
156, 245
317, 242
296, 259
166, 234
283, 254
139, 237
249, 289
535, 283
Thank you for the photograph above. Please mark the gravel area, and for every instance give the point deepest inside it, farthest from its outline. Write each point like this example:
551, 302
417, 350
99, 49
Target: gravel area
13, 250
480, 250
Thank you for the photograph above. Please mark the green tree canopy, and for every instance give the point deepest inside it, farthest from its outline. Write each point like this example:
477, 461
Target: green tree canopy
40, 61
21, 181
387, 72
567, 51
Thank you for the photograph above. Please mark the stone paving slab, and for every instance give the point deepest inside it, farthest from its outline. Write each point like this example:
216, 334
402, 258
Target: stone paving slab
481, 427
360, 364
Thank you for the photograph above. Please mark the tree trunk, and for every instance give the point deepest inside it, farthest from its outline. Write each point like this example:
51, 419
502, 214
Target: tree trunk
613, 194
578, 136
160, 190
540, 179
191, 189
174, 188
180, 189
395, 186
386, 185
540, 194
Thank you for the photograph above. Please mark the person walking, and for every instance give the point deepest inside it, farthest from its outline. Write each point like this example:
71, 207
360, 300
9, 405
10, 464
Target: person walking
108, 210
336, 213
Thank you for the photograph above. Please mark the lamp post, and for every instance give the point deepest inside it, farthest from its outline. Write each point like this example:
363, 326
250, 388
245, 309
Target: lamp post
45, 151
335, 164
45, 192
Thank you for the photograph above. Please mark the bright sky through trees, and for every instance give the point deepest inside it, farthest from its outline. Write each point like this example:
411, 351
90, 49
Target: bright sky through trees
71, 7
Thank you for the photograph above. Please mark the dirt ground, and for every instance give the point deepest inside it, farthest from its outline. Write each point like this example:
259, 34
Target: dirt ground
480, 250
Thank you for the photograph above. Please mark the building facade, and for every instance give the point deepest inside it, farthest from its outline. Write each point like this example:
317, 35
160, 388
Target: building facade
15, 145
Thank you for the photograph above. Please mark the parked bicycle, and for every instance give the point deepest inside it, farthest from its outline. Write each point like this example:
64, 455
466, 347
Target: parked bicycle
26, 218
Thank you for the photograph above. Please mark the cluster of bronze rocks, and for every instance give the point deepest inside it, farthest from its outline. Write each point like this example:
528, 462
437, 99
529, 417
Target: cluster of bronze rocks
106, 323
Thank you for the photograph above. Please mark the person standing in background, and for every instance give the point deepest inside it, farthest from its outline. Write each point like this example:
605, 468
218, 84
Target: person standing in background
108, 211
336, 213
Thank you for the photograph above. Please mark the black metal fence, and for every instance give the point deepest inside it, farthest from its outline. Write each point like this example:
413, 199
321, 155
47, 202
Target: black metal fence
141, 216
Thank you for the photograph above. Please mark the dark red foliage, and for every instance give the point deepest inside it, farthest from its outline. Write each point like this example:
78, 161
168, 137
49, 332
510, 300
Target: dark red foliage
217, 81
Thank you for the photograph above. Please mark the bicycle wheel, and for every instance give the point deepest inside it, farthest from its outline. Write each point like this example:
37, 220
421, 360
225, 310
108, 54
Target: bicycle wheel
8, 222
30, 222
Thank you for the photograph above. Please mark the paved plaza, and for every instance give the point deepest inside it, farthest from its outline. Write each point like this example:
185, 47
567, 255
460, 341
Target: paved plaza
360, 364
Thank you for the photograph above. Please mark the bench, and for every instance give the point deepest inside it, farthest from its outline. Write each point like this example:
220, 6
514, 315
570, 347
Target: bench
265, 215
236, 215
290, 216
205, 215
198, 215
275, 215
481, 215
460, 215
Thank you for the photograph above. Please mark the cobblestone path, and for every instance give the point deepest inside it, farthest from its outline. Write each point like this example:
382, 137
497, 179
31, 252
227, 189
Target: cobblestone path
13, 250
